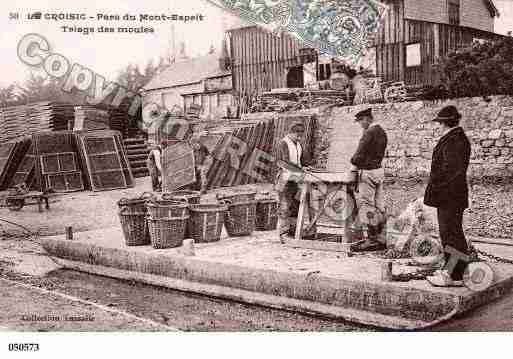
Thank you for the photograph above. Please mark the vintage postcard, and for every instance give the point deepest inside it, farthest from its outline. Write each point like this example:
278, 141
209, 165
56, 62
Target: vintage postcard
255, 166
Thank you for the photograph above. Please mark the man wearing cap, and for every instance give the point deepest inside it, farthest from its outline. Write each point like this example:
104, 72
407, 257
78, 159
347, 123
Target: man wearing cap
154, 164
291, 158
447, 190
367, 160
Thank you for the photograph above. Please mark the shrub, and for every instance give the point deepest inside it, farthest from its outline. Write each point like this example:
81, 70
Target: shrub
480, 70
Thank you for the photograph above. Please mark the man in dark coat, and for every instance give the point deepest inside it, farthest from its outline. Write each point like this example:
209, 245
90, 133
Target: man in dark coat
367, 160
447, 190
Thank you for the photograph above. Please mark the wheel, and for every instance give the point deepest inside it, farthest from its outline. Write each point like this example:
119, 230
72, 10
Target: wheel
15, 204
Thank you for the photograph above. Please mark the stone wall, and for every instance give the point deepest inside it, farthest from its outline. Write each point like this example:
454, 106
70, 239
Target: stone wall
412, 135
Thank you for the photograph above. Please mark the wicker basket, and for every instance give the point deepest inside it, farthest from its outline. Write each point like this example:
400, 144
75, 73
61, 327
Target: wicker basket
237, 196
206, 222
135, 204
267, 215
167, 209
132, 216
167, 232
192, 197
240, 218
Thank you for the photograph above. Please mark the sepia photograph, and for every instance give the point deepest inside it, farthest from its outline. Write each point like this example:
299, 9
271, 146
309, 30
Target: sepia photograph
254, 169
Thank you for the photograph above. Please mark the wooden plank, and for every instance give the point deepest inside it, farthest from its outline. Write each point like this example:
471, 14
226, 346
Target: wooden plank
402, 62
387, 28
178, 167
302, 211
400, 22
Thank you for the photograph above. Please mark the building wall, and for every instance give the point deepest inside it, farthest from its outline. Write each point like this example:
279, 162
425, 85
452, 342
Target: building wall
162, 100
436, 41
474, 13
426, 10
261, 59
215, 104
169, 97
412, 136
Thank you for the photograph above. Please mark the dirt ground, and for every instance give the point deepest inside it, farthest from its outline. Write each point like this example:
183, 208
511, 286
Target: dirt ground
183, 311
41, 311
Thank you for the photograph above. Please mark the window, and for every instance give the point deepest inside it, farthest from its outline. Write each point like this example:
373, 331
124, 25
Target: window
324, 72
413, 57
453, 7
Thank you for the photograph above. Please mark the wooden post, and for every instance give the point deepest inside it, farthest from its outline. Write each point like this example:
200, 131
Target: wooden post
302, 208
69, 233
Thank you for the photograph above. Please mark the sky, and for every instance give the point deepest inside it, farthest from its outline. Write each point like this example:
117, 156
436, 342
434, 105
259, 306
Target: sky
108, 53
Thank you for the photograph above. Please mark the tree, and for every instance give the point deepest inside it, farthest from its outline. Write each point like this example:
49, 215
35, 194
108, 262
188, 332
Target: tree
8, 96
134, 79
480, 70
41, 88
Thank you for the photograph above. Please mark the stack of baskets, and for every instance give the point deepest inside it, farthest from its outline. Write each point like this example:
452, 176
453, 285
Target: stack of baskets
267, 214
191, 197
188, 197
241, 214
167, 221
240, 218
207, 221
132, 215
237, 196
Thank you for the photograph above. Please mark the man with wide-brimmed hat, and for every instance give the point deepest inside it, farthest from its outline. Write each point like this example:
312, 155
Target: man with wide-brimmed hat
367, 160
291, 158
447, 190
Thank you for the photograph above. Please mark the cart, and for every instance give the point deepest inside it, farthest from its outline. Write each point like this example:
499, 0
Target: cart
15, 202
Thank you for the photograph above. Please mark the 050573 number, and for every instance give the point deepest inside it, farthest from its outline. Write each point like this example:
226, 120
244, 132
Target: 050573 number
23, 347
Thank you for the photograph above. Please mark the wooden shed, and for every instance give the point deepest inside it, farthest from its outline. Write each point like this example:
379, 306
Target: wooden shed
262, 61
415, 34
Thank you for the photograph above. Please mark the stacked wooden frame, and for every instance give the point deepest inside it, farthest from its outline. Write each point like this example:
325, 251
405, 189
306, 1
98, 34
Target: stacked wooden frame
105, 158
67, 161
178, 166
257, 134
23, 120
11, 155
57, 165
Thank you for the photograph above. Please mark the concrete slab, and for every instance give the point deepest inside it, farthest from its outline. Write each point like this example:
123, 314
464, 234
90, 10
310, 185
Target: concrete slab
261, 270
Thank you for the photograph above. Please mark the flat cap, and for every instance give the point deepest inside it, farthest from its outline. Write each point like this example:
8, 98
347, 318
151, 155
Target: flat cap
447, 113
364, 113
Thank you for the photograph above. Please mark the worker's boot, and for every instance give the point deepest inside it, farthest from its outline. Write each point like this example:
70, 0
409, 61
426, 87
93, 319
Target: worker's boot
371, 243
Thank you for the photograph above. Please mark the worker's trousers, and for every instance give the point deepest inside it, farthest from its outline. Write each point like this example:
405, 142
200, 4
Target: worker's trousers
455, 246
371, 201
289, 207
154, 175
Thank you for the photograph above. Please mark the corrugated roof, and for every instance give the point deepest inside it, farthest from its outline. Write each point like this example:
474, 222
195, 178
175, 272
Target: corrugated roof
187, 72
